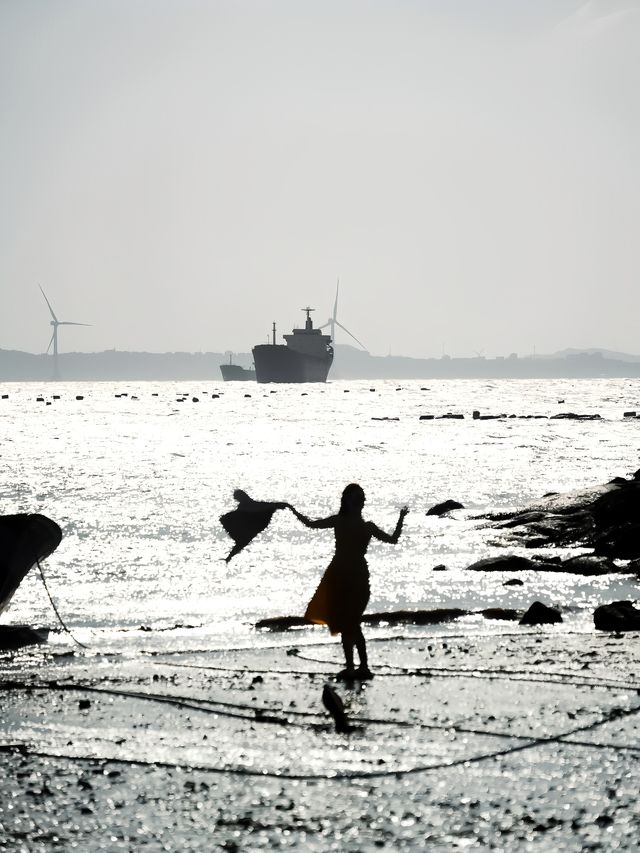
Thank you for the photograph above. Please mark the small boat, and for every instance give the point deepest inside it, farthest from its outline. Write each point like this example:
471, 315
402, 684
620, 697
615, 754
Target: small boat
306, 356
235, 373
24, 540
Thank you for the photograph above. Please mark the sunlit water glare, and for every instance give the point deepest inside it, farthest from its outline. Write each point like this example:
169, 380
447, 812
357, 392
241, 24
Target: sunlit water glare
138, 482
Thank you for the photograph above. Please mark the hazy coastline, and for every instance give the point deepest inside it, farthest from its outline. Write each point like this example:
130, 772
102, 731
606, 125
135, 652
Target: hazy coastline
349, 363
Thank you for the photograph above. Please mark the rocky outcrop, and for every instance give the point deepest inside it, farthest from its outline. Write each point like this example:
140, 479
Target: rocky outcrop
605, 519
587, 564
617, 616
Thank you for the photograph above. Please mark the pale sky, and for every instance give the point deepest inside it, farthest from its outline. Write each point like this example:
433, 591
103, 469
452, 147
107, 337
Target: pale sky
181, 173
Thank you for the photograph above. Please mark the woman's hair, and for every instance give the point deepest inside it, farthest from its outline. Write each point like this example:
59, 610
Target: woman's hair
351, 492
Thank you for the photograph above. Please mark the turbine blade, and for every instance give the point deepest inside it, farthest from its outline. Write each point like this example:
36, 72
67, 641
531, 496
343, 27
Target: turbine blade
69, 323
50, 342
48, 303
335, 304
353, 336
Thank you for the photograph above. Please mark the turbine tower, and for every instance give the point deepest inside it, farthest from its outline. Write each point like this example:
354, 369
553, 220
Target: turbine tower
54, 337
332, 322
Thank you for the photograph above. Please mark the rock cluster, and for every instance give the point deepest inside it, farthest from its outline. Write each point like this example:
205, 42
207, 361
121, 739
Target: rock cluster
606, 520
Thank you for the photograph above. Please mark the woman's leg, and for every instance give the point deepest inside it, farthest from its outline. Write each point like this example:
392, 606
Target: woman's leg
348, 642
362, 649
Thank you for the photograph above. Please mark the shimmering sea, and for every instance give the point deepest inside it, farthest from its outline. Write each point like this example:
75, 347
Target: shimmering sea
138, 473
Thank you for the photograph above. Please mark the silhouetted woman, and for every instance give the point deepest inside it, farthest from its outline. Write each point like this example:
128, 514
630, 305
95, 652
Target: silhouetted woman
343, 593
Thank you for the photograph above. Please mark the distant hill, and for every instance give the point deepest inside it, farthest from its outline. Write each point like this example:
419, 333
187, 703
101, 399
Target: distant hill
349, 363
605, 353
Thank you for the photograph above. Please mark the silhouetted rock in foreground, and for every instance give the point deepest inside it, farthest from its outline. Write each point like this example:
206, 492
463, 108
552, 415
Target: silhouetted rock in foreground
617, 616
606, 519
540, 614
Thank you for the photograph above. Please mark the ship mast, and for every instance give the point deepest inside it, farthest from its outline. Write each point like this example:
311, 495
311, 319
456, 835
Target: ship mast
309, 323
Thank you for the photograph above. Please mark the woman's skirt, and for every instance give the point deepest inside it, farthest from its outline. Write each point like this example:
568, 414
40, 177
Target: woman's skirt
341, 597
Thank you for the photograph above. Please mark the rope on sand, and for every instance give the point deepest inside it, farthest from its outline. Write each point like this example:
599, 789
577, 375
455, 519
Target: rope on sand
352, 775
427, 672
262, 714
55, 609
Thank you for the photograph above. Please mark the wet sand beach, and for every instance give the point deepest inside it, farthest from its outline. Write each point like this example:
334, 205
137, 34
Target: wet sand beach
526, 740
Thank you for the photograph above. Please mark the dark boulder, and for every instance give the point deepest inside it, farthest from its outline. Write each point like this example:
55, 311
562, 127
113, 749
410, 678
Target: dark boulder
540, 614
504, 563
617, 616
444, 507
589, 564
622, 542
618, 505
513, 582
500, 613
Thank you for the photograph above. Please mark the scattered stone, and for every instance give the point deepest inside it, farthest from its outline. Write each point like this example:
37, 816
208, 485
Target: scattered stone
513, 582
439, 568
572, 416
84, 704
427, 417
541, 614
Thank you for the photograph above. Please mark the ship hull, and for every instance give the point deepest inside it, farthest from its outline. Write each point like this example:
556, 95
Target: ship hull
279, 363
236, 373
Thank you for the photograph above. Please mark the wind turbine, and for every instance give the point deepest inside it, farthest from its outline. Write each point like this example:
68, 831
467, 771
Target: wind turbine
54, 337
332, 322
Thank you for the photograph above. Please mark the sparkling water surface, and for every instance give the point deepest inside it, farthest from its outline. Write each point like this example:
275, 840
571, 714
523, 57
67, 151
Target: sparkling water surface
138, 482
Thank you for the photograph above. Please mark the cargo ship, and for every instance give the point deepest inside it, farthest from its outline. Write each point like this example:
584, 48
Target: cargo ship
306, 356
236, 373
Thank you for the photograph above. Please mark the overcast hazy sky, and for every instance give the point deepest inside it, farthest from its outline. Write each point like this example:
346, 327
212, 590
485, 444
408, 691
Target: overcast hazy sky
180, 173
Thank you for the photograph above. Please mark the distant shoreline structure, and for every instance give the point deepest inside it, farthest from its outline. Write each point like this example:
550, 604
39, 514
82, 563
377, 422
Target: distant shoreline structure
349, 363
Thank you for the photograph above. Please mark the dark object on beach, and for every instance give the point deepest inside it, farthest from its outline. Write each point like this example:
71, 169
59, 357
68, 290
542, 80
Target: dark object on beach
617, 616
84, 704
335, 706
439, 568
24, 539
513, 582
250, 518
444, 507
540, 614
17, 636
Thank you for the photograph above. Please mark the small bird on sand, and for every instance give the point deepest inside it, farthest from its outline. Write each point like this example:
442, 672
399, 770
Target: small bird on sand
335, 706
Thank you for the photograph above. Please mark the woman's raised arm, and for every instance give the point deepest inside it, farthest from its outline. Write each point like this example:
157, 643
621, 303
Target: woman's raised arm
317, 523
393, 537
